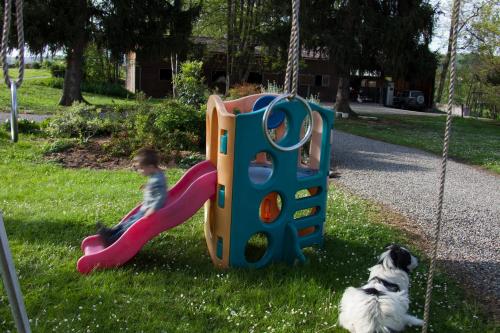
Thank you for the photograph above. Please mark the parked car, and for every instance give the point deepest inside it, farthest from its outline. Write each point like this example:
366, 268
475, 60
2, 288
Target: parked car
410, 99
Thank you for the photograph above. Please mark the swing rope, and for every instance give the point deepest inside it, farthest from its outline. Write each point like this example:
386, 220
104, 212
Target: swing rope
292, 66
437, 230
291, 85
20, 41
13, 85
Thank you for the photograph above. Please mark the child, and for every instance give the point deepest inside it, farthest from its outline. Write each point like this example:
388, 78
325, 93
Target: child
155, 194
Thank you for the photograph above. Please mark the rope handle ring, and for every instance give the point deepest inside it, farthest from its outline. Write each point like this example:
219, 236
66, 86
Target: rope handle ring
267, 113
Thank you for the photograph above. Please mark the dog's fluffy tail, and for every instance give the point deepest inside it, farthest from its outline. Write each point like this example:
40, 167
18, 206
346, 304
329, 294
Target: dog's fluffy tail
360, 312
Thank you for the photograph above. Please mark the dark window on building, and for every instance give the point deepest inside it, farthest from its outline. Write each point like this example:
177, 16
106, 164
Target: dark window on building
165, 74
254, 77
318, 79
322, 80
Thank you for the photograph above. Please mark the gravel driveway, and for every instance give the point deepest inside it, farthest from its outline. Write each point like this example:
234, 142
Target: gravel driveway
406, 180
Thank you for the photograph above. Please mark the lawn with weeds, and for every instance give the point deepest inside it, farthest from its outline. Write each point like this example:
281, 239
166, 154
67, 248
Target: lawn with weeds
40, 99
29, 73
473, 141
171, 285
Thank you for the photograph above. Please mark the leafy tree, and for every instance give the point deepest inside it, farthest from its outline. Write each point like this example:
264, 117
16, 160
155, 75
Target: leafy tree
114, 25
152, 27
470, 12
243, 18
61, 24
390, 37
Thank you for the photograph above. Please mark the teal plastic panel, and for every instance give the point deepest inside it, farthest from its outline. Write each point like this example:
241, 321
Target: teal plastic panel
284, 243
223, 142
219, 250
222, 196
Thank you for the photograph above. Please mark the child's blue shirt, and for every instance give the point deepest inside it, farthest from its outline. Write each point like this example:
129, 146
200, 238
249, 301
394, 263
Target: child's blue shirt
155, 192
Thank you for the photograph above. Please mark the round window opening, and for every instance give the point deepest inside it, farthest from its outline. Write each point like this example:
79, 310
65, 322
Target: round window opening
256, 247
261, 168
270, 207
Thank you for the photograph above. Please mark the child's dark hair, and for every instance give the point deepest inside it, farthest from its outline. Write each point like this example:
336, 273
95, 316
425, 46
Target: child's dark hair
147, 156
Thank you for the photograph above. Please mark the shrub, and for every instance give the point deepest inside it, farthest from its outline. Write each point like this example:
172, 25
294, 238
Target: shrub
47, 64
105, 88
272, 88
168, 127
52, 82
189, 160
24, 126
59, 145
314, 99
36, 65
122, 144
189, 84
58, 69
80, 121
102, 88
244, 89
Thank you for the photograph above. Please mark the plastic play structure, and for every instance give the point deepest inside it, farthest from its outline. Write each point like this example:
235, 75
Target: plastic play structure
256, 180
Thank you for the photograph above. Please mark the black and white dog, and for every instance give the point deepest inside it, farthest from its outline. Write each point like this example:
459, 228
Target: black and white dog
381, 305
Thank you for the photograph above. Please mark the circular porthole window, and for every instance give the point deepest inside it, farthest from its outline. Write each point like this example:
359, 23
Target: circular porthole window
256, 247
261, 168
270, 207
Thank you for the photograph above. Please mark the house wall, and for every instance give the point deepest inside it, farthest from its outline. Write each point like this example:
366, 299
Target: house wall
317, 78
155, 79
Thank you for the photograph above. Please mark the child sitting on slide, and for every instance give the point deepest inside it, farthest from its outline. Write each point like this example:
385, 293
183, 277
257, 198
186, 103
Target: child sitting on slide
155, 193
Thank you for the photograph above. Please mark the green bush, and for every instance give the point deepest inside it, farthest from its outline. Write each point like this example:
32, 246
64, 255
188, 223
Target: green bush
189, 84
81, 121
24, 126
102, 88
46, 64
52, 82
168, 127
105, 88
36, 65
57, 69
59, 145
244, 89
189, 160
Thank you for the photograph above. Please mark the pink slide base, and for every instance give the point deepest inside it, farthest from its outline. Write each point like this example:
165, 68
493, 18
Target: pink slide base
184, 199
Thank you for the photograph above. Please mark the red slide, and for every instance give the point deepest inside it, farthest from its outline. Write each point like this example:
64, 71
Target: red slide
184, 199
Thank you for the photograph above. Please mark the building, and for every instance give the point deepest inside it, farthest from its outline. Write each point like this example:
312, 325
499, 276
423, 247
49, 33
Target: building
317, 76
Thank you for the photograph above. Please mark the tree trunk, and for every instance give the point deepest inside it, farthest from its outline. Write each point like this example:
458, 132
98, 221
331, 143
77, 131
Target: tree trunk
444, 68
342, 99
72, 91
229, 52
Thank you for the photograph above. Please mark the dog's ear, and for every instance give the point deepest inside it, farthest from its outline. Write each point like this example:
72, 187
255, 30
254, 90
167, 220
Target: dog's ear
400, 258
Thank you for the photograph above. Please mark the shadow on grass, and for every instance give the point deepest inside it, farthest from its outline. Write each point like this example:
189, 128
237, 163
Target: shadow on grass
178, 256
45, 231
337, 259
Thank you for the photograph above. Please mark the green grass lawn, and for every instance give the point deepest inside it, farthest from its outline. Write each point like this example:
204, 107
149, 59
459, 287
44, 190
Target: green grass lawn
34, 98
29, 73
171, 285
472, 141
